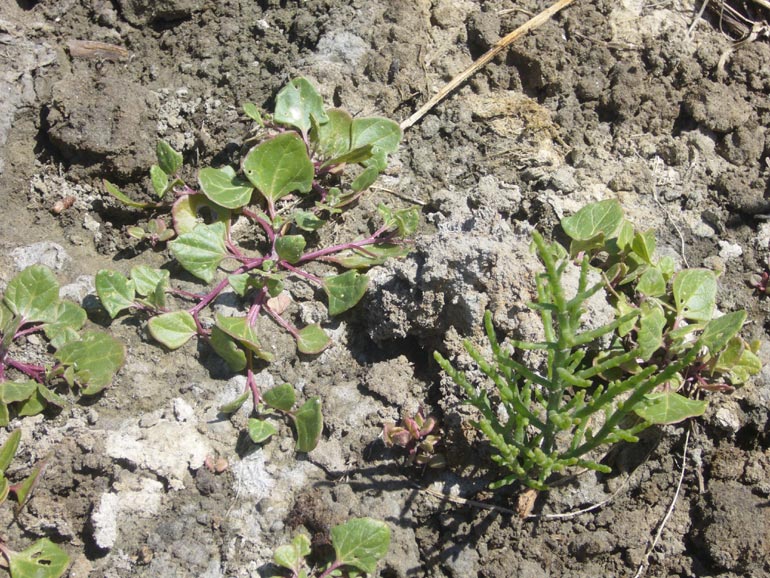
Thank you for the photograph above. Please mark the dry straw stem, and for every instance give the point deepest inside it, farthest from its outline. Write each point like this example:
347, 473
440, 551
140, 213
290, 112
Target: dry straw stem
501, 45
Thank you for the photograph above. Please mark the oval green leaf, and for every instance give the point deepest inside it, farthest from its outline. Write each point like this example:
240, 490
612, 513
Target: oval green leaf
280, 397
361, 543
695, 294
227, 349
146, 279
253, 113
602, 218
279, 167
290, 247
33, 294
260, 430
381, 133
93, 360
115, 291
189, 212
291, 555
297, 103
309, 423
718, 332
169, 160
242, 331
224, 187
159, 180
332, 139
201, 250
43, 559
312, 339
173, 329
670, 407
344, 291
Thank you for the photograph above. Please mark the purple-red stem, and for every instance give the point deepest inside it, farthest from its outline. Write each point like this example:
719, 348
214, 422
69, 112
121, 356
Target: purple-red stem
336, 564
281, 321
301, 273
252, 384
36, 372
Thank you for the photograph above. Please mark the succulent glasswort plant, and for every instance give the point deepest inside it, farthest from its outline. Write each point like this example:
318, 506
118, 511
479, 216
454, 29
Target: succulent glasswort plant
289, 185
31, 307
603, 385
43, 559
358, 545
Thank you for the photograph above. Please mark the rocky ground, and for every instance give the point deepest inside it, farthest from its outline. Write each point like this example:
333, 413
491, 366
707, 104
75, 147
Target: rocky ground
643, 102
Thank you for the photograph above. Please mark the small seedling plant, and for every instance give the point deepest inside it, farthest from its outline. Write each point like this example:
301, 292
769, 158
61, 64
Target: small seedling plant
289, 185
418, 436
43, 559
31, 307
603, 385
358, 545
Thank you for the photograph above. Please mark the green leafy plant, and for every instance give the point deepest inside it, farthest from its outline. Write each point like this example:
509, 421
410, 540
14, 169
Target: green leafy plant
418, 436
289, 185
604, 385
87, 359
358, 545
43, 559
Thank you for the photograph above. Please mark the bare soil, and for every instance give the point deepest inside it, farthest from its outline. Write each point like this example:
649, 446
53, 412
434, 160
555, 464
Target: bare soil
608, 100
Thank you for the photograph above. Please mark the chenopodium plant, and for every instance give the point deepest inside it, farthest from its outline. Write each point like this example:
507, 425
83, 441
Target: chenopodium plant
288, 186
358, 545
604, 385
43, 559
87, 359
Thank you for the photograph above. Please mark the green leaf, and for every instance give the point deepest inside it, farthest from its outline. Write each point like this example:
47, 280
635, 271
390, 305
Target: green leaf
69, 319
173, 329
8, 451
159, 180
33, 294
252, 111
356, 156
308, 221
695, 293
23, 490
370, 255
651, 283
280, 397
361, 543
33, 405
227, 349
123, 198
345, 290
146, 279
242, 331
260, 430
279, 167
14, 391
382, 134
652, 323
43, 559
169, 160
625, 235
309, 423
290, 247
644, 245
201, 251
50, 397
601, 218
365, 179
292, 555
192, 210
93, 360
718, 332
405, 220
670, 407
240, 283
297, 103
332, 139
224, 187
312, 339
236, 404
115, 291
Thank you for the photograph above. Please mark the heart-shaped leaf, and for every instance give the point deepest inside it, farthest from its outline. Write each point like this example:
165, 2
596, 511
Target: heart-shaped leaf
309, 423
718, 332
146, 279
93, 360
652, 322
381, 133
279, 167
361, 543
260, 430
159, 180
227, 349
345, 290
33, 294
670, 407
201, 251
173, 329
224, 187
651, 283
308, 221
280, 397
242, 331
695, 294
602, 218
192, 210
297, 103
292, 555
69, 319
43, 559
115, 291
290, 247
312, 339
169, 160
